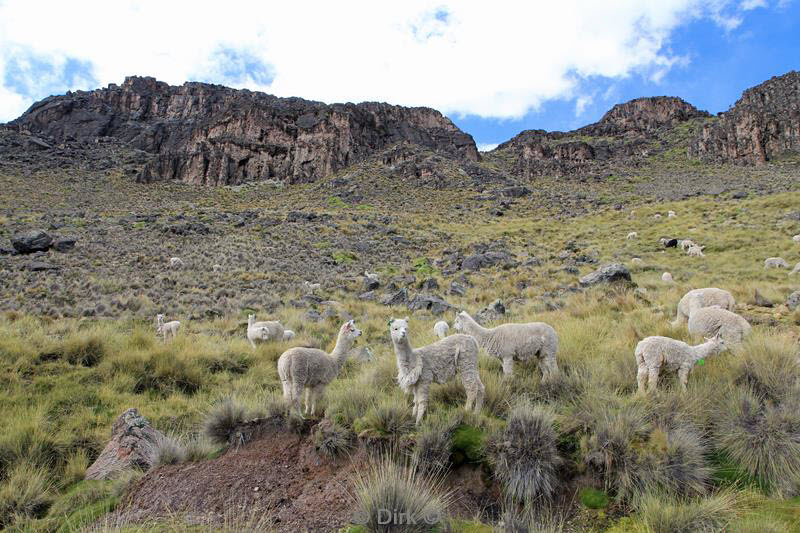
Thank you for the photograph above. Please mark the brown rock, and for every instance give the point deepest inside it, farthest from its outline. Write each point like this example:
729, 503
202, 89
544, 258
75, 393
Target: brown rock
133, 445
213, 135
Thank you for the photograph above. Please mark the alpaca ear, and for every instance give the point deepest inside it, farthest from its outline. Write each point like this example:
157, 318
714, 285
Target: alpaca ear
390, 322
406, 319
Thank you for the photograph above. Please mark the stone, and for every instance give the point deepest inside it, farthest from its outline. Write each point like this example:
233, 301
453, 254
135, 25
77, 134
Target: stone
371, 284
793, 301
486, 260
457, 289
398, 298
517, 191
368, 296
425, 302
133, 444
31, 241
64, 244
760, 300
491, 312
39, 266
429, 284
611, 273
313, 315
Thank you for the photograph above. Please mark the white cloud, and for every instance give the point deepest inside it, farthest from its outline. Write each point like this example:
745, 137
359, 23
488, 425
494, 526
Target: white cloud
487, 147
461, 57
747, 5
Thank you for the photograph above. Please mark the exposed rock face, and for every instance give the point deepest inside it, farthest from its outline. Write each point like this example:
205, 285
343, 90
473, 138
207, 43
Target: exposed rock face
31, 241
133, 445
764, 123
611, 273
624, 136
213, 135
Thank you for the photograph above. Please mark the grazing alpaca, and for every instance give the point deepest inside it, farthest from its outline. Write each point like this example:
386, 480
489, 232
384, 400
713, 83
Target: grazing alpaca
312, 369
263, 331
166, 329
515, 341
436, 363
654, 353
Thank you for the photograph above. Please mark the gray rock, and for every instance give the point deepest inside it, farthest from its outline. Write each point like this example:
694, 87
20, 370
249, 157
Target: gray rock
611, 273
39, 266
429, 284
516, 191
31, 241
313, 315
398, 298
369, 296
133, 444
760, 300
371, 284
64, 244
491, 312
426, 302
793, 302
487, 260
457, 289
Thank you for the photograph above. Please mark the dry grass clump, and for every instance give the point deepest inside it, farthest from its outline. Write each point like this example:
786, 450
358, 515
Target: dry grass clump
332, 440
26, 493
223, 419
660, 514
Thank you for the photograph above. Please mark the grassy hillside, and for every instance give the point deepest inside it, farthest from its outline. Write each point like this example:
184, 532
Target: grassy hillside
723, 456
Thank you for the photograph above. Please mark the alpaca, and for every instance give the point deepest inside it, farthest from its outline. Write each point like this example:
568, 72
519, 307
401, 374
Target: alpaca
176, 262
515, 341
440, 329
263, 331
166, 329
435, 363
699, 298
312, 369
654, 353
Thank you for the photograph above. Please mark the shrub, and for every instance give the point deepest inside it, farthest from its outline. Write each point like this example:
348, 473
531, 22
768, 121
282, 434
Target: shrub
222, 421
679, 459
468, 444
432, 448
391, 417
75, 468
25, 493
762, 438
593, 498
524, 454
169, 451
662, 515
332, 440
768, 366
391, 489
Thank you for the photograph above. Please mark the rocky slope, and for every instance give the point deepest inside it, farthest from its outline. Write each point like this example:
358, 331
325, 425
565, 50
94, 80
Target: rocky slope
625, 136
213, 135
764, 124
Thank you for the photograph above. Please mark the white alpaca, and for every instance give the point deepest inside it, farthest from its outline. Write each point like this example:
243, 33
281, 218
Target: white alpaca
656, 353
666, 277
312, 369
699, 298
796, 238
636, 261
310, 288
671, 214
795, 270
288, 334
439, 362
657, 215
685, 244
775, 262
441, 328
167, 329
508, 342
176, 262
695, 251
263, 331
710, 321
632, 235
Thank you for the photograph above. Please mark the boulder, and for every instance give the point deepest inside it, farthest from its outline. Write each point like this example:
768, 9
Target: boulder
457, 289
133, 444
425, 302
760, 300
611, 273
398, 298
31, 241
64, 244
486, 260
429, 284
371, 284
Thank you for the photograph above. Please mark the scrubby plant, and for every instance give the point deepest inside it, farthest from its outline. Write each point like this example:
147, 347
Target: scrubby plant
712, 514
768, 366
26, 492
432, 448
392, 494
222, 421
593, 498
332, 440
169, 451
762, 438
390, 417
468, 444
524, 454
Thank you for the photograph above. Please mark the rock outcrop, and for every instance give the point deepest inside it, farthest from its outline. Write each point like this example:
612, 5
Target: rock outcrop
213, 135
625, 136
133, 444
764, 123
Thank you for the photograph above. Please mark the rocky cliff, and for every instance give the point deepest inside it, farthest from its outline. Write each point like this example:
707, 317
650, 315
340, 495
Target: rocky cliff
625, 136
763, 124
214, 135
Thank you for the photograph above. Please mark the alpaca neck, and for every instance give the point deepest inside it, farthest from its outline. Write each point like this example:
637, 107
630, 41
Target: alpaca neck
250, 321
404, 353
342, 349
472, 327
707, 349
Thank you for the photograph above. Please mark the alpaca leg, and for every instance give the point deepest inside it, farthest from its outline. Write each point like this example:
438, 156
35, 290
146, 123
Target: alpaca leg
652, 378
477, 396
549, 367
422, 395
252, 343
297, 394
641, 378
683, 376
287, 390
508, 366
316, 394
308, 399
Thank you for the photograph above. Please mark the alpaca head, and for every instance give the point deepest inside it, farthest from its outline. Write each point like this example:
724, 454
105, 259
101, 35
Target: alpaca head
461, 319
349, 331
398, 329
719, 343
250, 319
159, 319
288, 335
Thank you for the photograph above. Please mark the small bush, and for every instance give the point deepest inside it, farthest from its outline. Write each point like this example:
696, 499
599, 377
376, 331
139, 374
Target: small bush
86, 351
391, 417
402, 490
661, 515
433, 449
593, 498
524, 454
25, 493
332, 440
75, 468
221, 422
169, 451
763, 439
468, 444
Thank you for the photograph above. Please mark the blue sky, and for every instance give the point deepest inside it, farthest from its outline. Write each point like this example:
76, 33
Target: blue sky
494, 69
